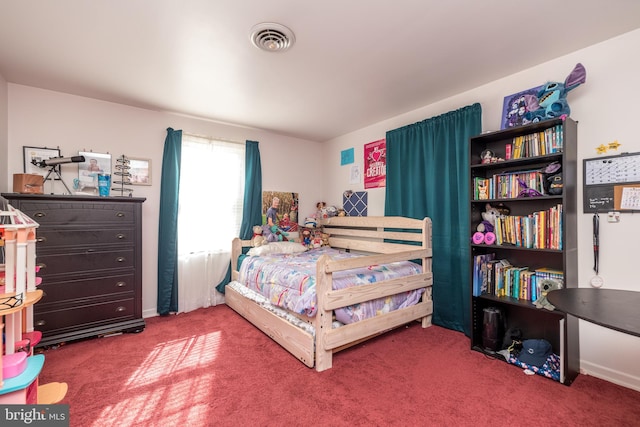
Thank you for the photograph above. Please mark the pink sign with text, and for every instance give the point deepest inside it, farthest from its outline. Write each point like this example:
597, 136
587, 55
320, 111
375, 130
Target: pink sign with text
375, 164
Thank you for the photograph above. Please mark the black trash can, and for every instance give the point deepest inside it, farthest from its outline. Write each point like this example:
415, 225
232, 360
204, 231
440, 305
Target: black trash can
492, 326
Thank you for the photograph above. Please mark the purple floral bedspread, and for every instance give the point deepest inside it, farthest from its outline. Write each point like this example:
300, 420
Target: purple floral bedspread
288, 281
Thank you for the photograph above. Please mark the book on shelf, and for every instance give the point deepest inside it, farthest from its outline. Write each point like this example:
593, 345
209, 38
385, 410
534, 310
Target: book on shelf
548, 141
481, 188
480, 282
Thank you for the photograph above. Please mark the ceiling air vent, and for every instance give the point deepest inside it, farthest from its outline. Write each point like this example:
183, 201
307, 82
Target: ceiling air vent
272, 37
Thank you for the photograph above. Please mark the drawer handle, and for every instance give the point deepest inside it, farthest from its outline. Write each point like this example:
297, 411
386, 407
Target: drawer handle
40, 323
39, 214
120, 259
120, 236
121, 284
41, 239
41, 265
120, 309
120, 214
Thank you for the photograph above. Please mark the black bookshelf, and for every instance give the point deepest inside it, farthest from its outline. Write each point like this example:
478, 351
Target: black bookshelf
554, 326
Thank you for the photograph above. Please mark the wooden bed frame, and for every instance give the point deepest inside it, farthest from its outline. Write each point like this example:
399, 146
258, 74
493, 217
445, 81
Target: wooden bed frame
364, 235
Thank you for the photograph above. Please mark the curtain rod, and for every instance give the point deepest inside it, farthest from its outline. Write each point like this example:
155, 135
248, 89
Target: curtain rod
213, 138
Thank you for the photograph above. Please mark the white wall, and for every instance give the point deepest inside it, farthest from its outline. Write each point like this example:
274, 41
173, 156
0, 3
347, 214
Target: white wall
606, 109
44, 118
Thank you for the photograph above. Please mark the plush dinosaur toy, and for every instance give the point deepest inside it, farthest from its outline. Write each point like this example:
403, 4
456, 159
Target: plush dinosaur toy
552, 98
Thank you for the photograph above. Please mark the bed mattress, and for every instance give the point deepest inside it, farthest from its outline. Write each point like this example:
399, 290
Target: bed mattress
288, 281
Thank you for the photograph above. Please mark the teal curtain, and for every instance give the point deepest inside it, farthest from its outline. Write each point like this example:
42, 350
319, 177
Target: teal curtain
428, 175
168, 229
252, 203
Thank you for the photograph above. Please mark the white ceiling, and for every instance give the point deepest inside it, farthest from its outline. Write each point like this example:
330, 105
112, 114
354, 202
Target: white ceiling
355, 62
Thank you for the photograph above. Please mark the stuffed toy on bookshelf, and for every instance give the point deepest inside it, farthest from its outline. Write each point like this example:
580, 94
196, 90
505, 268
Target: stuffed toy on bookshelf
552, 98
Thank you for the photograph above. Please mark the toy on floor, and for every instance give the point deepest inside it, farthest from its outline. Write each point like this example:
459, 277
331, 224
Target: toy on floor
552, 98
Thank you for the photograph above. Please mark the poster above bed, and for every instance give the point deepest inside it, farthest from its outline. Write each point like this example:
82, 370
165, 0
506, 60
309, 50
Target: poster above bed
286, 209
375, 164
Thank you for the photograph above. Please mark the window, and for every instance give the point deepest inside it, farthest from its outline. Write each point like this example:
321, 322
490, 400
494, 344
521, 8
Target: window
211, 194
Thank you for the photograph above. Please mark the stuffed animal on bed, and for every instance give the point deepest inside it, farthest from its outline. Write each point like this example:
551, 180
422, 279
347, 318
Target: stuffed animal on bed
274, 234
552, 98
316, 242
321, 210
258, 239
305, 237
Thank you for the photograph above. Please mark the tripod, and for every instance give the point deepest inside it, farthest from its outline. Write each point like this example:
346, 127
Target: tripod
54, 169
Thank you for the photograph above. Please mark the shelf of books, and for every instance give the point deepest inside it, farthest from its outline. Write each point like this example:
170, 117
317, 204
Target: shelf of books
523, 225
497, 277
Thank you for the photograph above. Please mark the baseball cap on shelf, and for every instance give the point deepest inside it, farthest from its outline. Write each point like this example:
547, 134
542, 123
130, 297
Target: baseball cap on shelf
535, 352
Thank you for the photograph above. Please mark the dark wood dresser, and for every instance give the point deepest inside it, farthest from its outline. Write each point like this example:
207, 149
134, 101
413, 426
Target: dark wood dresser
89, 250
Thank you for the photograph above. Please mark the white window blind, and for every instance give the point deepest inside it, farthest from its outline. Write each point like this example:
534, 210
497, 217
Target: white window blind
211, 194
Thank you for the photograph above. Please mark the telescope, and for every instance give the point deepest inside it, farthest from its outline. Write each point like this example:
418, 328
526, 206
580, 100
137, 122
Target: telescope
55, 161
54, 166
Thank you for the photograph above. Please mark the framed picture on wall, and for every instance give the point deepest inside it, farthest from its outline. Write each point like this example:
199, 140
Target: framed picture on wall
33, 156
140, 171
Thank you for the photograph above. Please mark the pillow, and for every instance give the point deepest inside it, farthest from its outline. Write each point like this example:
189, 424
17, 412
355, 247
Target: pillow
278, 248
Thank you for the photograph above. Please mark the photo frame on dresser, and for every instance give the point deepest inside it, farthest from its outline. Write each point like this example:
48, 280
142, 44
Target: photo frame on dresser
94, 164
33, 155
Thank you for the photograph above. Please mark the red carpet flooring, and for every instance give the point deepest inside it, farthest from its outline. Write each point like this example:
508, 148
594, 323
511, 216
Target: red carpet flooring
211, 367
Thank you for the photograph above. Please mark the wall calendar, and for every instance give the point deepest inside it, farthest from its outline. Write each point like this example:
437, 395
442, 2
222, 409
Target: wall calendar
612, 183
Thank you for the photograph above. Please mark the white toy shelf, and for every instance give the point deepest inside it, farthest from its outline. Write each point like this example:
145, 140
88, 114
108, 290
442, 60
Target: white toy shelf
19, 366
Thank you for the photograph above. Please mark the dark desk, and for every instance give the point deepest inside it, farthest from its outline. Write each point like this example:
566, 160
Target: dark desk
611, 308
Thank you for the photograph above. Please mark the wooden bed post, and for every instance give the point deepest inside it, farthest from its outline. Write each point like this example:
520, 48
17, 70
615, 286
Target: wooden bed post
324, 318
427, 267
236, 251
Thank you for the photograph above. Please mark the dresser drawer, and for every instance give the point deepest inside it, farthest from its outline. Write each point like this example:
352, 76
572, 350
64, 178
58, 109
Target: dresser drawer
87, 262
78, 213
80, 289
60, 237
83, 316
